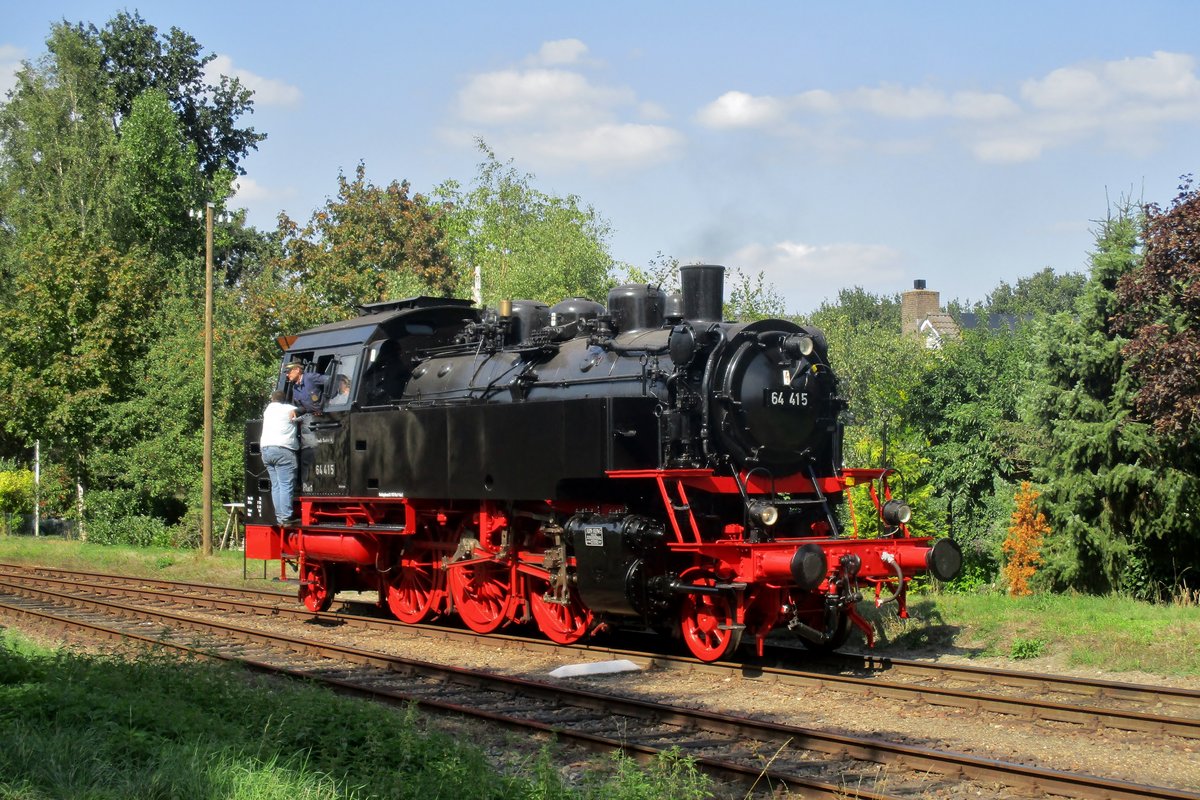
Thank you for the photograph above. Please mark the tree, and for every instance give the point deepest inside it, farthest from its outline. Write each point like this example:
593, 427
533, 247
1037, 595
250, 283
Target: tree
966, 408
1122, 515
16, 494
135, 58
877, 371
106, 142
152, 440
57, 152
1026, 531
662, 270
1161, 307
748, 299
865, 310
1044, 292
524, 243
369, 244
158, 180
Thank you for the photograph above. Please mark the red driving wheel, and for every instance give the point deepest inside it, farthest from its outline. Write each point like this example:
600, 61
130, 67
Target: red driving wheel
564, 623
417, 591
482, 592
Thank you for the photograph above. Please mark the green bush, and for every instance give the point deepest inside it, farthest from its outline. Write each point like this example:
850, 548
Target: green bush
118, 517
1027, 648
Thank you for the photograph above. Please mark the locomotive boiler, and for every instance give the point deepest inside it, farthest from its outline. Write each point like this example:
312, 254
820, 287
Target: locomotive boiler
585, 466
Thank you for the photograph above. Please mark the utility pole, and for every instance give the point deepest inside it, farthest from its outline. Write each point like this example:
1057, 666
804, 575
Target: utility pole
37, 487
206, 517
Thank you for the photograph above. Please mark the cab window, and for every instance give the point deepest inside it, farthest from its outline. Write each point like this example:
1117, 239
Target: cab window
340, 388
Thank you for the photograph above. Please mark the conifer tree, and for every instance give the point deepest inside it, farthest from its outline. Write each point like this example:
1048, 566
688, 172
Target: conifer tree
1106, 486
1022, 548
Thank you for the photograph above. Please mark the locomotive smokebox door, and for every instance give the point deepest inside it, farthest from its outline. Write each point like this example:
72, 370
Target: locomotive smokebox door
773, 407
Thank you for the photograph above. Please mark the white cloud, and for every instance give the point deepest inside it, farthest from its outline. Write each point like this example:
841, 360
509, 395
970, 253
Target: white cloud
741, 110
248, 190
982, 106
267, 91
10, 62
805, 274
1067, 89
649, 110
1125, 104
535, 96
607, 145
1008, 151
1162, 78
560, 52
817, 101
901, 102
552, 110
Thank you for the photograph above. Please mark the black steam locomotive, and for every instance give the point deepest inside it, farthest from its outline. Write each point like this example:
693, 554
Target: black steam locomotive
582, 466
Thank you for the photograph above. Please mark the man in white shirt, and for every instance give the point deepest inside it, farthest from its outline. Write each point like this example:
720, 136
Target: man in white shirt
279, 443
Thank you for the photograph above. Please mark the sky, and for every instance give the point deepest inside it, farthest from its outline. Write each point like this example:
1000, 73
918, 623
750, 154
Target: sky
827, 145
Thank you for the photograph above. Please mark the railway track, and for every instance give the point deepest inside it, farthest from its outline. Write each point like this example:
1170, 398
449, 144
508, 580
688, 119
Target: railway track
1027, 695
812, 761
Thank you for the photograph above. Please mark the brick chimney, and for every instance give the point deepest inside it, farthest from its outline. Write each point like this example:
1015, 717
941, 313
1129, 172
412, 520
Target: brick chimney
917, 305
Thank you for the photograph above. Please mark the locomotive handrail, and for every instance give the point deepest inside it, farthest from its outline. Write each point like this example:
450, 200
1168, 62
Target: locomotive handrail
707, 480
328, 527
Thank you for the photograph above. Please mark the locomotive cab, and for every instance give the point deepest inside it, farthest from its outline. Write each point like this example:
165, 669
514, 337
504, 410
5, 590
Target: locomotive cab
364, 364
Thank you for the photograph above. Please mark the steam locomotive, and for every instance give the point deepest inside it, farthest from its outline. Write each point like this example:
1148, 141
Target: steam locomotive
584, 467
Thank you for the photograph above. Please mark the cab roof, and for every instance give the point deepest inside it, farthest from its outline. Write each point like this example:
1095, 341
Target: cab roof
387, 320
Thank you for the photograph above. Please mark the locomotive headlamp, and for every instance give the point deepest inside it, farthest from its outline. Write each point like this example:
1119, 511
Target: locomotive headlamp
798, 345
763, 513
896, 513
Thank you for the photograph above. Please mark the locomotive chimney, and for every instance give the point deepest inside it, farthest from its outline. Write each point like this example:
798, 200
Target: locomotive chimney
703, 292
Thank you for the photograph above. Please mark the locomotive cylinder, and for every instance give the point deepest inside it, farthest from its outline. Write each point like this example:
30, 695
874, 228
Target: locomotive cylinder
610, 552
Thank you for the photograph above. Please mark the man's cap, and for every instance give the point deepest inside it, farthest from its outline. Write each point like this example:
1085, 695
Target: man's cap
291, 365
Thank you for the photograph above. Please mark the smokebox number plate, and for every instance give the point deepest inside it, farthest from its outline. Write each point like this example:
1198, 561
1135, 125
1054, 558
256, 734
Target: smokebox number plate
785, 397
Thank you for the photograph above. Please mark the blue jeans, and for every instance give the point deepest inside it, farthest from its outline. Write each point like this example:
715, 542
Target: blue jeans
281, 467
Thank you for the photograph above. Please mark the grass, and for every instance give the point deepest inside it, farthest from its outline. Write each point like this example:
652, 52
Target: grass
93, 726
83, 725
1111, 633
89, 726
224, 567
